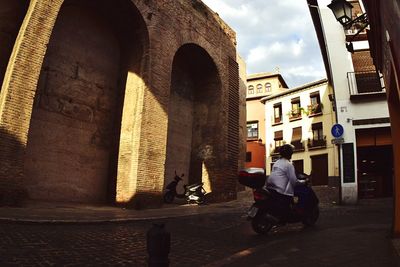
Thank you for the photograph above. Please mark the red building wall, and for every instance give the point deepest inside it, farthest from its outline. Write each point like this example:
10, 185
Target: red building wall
257, 150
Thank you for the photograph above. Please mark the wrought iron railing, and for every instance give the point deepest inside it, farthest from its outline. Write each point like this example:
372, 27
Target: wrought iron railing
275, 150
312, 143
366, 82
276, 120
294, 114
314, 109
358, 25
298, 145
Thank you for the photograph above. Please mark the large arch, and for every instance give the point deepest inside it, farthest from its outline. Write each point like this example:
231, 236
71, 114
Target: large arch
193, 114
12, 14
75, 129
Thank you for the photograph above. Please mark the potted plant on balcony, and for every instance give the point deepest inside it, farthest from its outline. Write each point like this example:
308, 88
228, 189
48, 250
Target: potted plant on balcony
296, 113
314, 109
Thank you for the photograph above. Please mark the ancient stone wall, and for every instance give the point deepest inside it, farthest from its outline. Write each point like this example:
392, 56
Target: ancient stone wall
103, 101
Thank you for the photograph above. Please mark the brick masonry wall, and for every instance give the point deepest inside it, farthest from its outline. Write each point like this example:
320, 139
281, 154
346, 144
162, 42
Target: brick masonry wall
163, 27
18, 90
362, 61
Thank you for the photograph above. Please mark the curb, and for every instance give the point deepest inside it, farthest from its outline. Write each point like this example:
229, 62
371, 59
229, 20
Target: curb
159, 214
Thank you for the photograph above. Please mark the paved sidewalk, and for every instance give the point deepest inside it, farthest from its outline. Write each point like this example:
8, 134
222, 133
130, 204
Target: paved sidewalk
79, 213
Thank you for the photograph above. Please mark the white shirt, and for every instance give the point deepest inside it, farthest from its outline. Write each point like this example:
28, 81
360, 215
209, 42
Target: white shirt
283, 177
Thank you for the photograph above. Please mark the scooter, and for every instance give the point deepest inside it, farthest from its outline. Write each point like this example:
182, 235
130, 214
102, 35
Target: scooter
263, 214
194, 193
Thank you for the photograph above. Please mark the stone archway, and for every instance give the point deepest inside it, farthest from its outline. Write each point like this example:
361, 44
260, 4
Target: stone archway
74, 136
12, 14
193, 115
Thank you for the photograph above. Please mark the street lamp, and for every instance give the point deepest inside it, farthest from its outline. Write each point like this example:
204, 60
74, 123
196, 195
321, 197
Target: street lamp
342, 11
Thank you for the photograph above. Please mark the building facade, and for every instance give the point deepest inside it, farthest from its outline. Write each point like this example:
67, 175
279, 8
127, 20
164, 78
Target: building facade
258, 86
366, 161
303, 117
96, 108
384, 36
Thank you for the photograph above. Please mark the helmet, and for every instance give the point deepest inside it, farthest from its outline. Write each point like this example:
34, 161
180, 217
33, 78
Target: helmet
286, 151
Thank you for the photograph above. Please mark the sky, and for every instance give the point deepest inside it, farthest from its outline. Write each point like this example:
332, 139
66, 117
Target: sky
274, 35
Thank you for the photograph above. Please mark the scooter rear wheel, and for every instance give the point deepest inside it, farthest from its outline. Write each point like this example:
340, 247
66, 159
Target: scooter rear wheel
168, 197
261, 225
312, 217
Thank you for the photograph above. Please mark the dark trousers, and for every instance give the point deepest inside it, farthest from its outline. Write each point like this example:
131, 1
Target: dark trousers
282, 206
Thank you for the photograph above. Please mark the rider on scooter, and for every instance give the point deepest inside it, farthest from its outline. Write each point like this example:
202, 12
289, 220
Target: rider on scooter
281, 183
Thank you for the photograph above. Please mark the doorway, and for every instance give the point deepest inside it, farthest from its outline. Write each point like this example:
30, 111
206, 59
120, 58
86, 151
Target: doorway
374, 162
319, 169
298, 165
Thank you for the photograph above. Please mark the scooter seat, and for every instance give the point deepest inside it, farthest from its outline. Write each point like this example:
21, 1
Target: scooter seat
194, 186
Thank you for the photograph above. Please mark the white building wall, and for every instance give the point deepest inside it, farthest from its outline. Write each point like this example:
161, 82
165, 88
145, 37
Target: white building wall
341, 63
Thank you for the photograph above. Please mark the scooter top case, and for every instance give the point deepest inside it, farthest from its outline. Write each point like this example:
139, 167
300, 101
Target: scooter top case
252, 177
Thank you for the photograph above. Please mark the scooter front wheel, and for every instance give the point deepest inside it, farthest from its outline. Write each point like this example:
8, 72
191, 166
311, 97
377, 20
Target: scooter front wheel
261, 225
312, 217
168, 197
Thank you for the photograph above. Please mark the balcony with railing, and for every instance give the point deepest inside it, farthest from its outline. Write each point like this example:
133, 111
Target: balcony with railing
316, 143
298, 146
314, 109
365, 85
275, 150
356, 31
295, 114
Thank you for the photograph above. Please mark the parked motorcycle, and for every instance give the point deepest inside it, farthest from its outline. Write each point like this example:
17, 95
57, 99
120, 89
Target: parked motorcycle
194, 193
263, 214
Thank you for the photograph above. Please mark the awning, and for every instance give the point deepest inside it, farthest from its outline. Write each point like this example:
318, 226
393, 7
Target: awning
295, 100
296, 136
277, 104
374, 137
316, 126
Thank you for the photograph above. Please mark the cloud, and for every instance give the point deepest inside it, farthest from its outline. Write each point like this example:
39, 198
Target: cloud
274, 34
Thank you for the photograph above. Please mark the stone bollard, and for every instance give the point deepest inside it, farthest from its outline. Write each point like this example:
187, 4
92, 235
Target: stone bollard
158, 245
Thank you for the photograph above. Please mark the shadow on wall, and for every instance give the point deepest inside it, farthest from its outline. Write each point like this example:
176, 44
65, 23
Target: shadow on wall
82, 90
193, 117
93, 65
12, 191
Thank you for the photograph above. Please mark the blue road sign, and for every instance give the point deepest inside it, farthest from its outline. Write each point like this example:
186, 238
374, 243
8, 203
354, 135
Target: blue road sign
337, 130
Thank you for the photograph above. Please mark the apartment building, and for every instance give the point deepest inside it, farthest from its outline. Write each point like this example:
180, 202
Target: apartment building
258, 86
303, 116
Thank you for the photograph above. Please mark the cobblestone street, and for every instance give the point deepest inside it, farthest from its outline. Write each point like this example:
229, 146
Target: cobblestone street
345, 236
